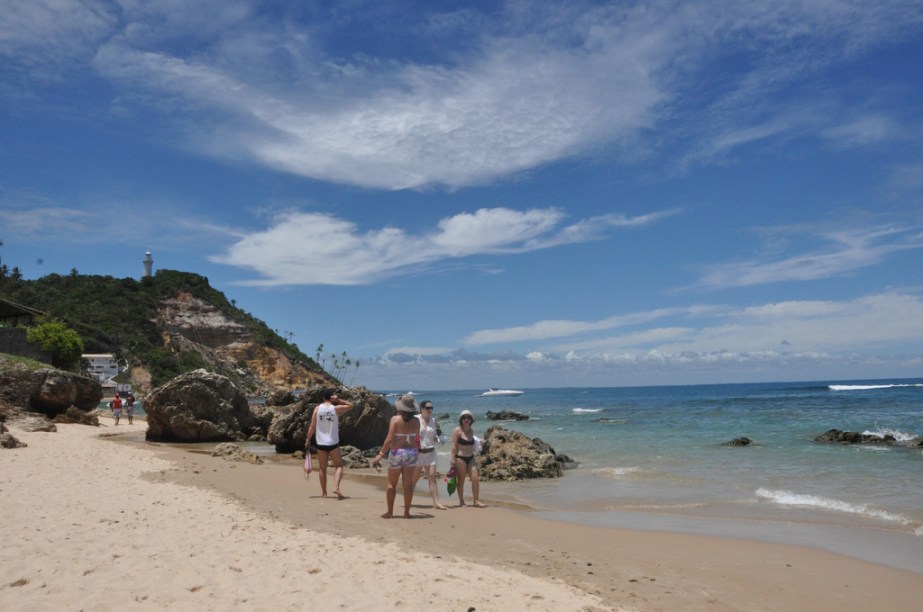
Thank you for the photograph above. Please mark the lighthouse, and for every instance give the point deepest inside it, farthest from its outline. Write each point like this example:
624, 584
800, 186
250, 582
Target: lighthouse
148, 262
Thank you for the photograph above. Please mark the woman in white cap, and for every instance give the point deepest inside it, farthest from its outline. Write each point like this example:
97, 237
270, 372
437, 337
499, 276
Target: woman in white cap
463, 458
430, 434
403, 442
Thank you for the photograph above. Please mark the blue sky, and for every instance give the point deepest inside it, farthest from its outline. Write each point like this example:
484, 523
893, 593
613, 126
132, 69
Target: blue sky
474, 194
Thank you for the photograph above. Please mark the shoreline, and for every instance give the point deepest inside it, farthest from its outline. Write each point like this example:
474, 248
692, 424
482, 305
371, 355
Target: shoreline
638, 568
261, 533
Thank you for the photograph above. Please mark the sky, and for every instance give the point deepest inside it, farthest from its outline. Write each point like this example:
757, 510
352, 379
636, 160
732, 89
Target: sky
462, 195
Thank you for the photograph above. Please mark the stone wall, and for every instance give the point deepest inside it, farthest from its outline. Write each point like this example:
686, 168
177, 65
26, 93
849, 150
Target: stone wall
13, 341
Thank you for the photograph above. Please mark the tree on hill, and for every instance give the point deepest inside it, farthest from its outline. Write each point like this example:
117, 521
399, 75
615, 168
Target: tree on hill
60, 341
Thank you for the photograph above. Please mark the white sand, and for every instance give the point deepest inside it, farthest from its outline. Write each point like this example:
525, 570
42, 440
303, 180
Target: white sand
82, 530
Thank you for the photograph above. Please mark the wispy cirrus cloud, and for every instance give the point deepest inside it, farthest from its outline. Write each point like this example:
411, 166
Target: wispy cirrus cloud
844, 251
282, 255
497, 94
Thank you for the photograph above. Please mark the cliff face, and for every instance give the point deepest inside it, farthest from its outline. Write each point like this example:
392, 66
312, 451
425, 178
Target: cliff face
191, 324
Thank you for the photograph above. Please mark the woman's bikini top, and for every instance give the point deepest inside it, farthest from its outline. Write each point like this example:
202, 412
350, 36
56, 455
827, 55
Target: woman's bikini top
410, 439
463, 442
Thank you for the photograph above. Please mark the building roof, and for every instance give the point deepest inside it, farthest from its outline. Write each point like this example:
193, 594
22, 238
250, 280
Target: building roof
17, 313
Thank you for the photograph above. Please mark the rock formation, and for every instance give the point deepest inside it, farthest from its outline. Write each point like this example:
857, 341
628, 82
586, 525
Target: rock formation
200, 406
365, 426
854, 437
506, 415
741, 441
511, 455
231, 452
45, 390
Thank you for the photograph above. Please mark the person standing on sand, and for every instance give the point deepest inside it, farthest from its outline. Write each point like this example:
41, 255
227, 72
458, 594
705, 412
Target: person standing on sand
117, 408
463, 458
130, 407
325, 425
430, 434
403, 440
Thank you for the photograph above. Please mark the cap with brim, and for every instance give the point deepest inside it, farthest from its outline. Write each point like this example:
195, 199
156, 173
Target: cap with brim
407, 404
466, 413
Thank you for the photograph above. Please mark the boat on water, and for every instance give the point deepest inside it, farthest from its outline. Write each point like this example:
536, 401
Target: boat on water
501, 392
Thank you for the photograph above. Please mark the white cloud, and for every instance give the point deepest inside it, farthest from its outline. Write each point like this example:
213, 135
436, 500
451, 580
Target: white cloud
847, 251
862, 131
874, 335
48, 222
288, 253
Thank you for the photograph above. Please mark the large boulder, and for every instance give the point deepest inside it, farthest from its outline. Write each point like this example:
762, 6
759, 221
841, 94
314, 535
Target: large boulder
46, 390
511, 455
199, 406
364, 427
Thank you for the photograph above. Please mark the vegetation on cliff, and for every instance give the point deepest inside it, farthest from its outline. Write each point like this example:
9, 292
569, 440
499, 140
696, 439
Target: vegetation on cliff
120, 316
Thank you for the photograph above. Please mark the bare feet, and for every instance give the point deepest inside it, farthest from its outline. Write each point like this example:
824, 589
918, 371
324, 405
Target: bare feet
478, 504
339, 495
387, 515
440, 507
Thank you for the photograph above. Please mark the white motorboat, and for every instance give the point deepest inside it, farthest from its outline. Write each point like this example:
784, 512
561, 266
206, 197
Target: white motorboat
501, 393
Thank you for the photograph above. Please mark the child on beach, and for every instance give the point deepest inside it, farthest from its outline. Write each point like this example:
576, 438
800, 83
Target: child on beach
117, 408
130, 407
325, 425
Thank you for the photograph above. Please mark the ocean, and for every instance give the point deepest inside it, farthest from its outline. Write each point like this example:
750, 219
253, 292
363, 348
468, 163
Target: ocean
655, 458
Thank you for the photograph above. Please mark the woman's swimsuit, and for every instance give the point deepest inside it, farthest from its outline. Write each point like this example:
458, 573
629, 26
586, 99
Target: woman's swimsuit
404, 456
465, 442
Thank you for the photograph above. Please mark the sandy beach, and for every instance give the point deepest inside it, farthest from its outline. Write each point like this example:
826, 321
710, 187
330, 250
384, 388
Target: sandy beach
94, 522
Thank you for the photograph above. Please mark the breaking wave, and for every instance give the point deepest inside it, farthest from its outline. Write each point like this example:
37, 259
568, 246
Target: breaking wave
788, 498
867, 387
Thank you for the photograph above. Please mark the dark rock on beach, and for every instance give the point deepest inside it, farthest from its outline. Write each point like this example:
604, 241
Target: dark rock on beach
365, 426
47, 391
199, 406
75, 415
506, 415
510, 455
854, 437
231, 452
8, 440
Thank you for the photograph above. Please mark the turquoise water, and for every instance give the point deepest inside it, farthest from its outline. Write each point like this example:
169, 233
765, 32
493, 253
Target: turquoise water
659, 452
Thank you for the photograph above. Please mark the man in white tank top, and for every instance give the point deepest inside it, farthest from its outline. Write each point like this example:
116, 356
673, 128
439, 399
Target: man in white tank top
325, 427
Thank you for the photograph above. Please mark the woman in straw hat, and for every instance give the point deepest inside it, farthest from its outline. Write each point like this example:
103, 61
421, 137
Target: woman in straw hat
403, 447
464, 446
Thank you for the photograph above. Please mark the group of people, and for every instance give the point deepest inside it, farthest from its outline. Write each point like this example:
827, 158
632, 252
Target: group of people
410, 448
128, 404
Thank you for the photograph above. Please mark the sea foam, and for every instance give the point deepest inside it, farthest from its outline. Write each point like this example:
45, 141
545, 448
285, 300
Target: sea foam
866, 387
788, 498
900, 436
616, 472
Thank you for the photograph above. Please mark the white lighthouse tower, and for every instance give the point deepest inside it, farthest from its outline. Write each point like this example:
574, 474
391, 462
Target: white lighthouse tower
148, 262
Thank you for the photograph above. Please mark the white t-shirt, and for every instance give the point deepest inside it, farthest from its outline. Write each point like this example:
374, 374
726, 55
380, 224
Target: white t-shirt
328, 425
428, 437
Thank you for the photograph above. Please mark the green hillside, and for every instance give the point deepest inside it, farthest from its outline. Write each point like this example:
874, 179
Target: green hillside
117, 315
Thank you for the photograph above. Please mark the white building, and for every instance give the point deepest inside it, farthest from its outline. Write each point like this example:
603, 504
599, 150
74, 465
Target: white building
102, 366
